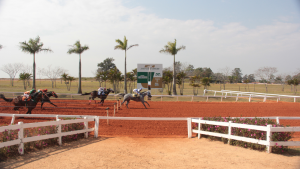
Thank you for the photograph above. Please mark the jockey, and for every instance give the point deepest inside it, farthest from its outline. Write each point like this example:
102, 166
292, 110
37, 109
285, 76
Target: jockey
42, 90
26, 94
31, 92
101, 91
137, 91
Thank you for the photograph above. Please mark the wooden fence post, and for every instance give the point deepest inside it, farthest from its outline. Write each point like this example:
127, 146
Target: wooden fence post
12, 119
96, 128
269, 138
229, 131
107, 114
114, 109
86, 134
199, 128
59, 132
189, 127
21, 136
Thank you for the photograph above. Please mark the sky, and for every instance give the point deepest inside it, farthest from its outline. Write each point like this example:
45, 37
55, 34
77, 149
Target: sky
217, 34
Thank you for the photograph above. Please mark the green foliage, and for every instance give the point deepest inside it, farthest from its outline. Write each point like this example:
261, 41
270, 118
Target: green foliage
25, 77
167, 79
77, 48
205, 82
106, 65
68, 80
255, 134
195, 83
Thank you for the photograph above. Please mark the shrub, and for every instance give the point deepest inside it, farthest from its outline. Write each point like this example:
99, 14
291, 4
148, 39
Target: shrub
12, 151
256, 134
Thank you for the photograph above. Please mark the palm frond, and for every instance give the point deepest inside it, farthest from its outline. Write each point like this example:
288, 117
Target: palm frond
33, 46
0, 46
132, 46
77, 48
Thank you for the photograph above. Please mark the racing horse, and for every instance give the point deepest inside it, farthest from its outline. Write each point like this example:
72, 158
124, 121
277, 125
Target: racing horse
46, 98
130, 96
30, 104
94, 94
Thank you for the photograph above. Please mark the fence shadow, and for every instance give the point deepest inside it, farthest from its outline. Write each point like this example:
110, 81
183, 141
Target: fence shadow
50, 151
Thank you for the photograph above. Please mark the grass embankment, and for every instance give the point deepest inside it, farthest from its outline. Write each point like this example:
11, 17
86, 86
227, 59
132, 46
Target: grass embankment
89, 85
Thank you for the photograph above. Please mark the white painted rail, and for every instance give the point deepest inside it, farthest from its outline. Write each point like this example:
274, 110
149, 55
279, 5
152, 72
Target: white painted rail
269, 129
21, 126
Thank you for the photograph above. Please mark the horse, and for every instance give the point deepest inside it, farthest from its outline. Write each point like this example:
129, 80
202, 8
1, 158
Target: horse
46, 98
130, 96
30, 104
94, 94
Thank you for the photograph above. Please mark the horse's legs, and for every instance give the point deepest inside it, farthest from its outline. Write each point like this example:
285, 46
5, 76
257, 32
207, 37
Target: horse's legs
42, 105
127, 103
144, 104
147, 103
52, 104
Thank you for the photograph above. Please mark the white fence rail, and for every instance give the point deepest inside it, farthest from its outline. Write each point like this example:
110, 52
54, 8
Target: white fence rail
21, 126
88, 118
269, 129
250, 95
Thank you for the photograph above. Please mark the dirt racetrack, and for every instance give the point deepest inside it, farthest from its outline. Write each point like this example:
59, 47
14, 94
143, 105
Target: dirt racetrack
122, 143
157, 109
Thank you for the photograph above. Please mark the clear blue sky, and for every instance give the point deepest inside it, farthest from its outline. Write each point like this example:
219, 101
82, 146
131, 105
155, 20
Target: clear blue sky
217, 34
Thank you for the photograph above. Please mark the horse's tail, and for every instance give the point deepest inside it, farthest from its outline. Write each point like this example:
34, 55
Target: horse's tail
5, 99
86, 93
121, 94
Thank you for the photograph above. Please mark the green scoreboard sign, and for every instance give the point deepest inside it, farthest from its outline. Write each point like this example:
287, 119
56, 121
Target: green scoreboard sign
149, 76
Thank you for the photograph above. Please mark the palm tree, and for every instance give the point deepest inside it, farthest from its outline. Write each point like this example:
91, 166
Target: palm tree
33, 46
123, 46
78, 49
171, 49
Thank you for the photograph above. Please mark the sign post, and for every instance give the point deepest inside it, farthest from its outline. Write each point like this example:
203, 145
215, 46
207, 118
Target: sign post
149, 76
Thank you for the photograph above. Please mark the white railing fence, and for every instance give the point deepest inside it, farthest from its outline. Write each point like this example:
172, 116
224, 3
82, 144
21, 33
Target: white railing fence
86, 118
249, 94
21, 126
269, 129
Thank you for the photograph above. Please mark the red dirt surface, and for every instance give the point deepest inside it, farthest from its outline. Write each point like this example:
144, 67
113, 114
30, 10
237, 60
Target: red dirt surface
157, 109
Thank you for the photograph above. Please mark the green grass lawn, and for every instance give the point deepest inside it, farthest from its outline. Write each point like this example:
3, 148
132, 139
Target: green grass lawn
89, 85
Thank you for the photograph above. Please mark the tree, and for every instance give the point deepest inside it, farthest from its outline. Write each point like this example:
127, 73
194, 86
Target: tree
53, 74
237, 75
123, 46
106, 64
266, 73
134, 71
167, 79
33, 46
205, 82
225, 73
171, 49
0, 46
195, 82
68, 80
12, 70
25, 77
180, 81
78, 49
114, 75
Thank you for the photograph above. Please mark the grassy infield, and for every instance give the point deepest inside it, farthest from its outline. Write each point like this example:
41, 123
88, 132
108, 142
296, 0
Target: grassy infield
90, 85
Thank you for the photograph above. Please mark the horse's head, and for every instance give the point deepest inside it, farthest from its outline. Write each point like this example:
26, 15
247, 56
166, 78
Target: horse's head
53, 94
110, 90
149, 94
